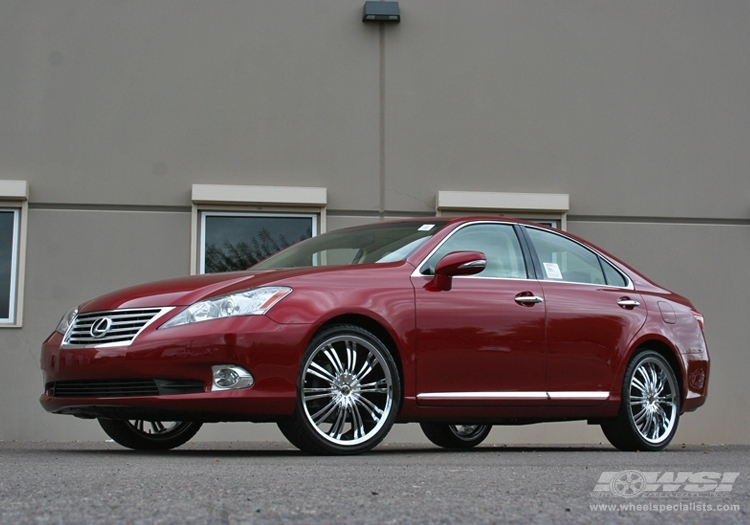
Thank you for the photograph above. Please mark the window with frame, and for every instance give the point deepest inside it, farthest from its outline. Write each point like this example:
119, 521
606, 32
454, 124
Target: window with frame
565, 260
498, 242
236, 226
9, 248
234, 241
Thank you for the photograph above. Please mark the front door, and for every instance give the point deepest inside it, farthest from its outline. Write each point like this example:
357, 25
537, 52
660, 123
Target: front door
481, 343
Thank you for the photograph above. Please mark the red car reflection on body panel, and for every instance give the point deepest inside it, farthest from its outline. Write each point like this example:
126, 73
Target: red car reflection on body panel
457, 324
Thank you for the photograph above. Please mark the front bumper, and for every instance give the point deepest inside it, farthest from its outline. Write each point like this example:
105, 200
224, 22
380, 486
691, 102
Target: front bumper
182, 355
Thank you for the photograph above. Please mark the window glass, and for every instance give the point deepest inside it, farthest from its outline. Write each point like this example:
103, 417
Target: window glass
8, 257
565, 260
236, 241
499, 244
370, 244
614, 277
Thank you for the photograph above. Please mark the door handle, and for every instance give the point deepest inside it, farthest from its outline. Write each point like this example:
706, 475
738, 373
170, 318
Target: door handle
528, 300
627, 303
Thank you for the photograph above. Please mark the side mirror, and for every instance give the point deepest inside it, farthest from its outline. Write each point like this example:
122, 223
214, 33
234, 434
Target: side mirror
457, 263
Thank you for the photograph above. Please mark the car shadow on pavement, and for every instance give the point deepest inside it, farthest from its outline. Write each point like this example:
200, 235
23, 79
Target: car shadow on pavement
268, 449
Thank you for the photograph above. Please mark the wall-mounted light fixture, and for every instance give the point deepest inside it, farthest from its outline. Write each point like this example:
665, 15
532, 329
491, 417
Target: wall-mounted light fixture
381, 12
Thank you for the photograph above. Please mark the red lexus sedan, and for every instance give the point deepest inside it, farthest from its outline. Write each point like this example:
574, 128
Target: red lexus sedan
457, 324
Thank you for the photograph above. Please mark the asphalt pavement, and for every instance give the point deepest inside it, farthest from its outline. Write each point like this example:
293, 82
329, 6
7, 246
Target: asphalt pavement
263, 483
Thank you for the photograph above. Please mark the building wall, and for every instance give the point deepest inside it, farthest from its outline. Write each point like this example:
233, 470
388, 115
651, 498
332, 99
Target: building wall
638, 110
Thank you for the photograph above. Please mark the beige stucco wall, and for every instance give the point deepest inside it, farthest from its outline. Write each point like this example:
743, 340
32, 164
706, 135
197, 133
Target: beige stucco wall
636, 109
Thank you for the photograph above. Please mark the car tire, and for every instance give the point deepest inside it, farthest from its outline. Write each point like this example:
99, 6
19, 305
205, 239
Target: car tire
348, 393
150, 435
455, 436
650, 405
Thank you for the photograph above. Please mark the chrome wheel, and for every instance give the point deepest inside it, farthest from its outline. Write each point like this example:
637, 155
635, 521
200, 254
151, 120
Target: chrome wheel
653, 400
466, 431
348, 392
141, 434
455, 436
155, 428
650, 405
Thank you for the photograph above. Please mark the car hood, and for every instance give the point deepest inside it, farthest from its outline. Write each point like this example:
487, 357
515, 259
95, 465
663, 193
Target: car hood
185, 291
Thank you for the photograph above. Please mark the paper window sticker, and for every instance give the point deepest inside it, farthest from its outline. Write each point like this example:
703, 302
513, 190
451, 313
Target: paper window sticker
553, 271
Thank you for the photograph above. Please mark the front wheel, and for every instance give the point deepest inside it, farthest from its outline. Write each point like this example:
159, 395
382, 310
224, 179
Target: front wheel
139, 434
455, 436
348, 393
650, 406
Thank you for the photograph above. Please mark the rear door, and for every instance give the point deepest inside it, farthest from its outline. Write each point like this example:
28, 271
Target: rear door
592, 315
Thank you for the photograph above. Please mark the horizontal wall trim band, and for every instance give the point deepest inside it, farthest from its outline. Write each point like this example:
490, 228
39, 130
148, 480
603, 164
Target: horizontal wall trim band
376, 213
706, 221
613, 219
109, 207
188, 209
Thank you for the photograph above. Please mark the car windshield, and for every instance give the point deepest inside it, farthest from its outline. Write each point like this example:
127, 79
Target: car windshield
375, 243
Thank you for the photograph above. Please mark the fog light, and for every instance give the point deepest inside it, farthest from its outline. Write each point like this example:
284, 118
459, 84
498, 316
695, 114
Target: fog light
230, 377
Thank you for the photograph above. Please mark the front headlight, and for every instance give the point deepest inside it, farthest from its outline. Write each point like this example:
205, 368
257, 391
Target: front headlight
66, 321
251, 302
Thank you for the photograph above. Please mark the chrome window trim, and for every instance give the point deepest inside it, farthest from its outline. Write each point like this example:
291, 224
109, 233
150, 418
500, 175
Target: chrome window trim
561, 281
418, 274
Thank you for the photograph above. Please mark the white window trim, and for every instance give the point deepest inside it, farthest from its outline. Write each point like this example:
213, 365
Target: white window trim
14, 194
532, 206
249, 199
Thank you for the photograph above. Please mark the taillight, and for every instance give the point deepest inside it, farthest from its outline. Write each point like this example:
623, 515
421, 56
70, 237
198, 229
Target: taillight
699, 317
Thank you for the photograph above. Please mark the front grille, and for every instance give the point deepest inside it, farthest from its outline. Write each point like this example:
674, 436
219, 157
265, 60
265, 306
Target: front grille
112, 327
124, 388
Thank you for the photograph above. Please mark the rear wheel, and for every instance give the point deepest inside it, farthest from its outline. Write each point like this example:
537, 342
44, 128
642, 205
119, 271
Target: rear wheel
455, 436
348, 393
650, 406
140, 434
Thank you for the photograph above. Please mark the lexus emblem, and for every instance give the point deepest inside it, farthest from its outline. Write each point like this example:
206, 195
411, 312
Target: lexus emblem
101, 327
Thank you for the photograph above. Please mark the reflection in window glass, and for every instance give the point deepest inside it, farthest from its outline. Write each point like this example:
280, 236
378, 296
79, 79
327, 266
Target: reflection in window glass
8, 239
565, 260
499, 244
236, 241
370, 244
614, 278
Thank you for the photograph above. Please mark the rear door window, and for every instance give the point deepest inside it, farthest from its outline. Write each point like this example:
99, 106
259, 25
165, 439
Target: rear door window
565, 260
